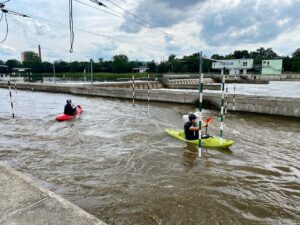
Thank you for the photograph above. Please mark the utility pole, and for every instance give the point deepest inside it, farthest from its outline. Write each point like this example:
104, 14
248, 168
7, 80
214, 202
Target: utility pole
91, 71
54, 72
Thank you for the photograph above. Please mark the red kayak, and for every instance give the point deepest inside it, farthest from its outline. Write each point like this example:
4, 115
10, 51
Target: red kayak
63, 117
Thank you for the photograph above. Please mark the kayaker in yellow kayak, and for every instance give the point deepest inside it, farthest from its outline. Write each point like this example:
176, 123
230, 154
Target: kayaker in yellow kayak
191, 129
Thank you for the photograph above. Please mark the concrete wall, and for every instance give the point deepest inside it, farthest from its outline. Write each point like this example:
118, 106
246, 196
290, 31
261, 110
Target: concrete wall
244, 103
208, 84
137, 84
22, 201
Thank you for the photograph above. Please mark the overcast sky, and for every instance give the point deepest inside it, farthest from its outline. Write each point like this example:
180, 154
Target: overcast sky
158, 29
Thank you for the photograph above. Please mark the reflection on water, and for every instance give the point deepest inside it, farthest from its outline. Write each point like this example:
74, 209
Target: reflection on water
117, 163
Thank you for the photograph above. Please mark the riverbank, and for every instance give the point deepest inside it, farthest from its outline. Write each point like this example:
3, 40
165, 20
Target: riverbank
25, 202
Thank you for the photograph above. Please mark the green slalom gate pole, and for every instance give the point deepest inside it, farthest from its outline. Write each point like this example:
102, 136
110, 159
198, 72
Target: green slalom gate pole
233, 107
226, 95
200, 102
222, 106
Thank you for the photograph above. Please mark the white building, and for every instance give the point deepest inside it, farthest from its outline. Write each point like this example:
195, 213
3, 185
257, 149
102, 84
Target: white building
271, 67
235, 66
140, 70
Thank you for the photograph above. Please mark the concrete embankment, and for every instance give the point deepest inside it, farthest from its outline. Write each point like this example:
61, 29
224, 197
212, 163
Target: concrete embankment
243, 103
25, 202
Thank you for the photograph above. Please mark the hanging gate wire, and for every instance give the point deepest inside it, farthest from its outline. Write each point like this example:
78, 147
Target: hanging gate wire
7, 11
71, 27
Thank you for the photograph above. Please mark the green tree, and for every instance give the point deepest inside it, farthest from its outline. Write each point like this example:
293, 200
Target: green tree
12, 63
120, 64
152, 66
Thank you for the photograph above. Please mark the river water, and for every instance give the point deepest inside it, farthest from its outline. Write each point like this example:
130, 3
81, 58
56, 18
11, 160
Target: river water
274, 88
116, 162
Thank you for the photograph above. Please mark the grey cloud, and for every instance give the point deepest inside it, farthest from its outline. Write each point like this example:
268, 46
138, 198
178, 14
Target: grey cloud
104, 50
248, 24
158, 14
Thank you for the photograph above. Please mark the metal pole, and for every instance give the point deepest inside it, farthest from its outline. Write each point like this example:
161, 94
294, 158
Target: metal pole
133, 95
54, 73
28, 80
222, 106
91, 71
11, 101
31, 80
148, 88
200, 103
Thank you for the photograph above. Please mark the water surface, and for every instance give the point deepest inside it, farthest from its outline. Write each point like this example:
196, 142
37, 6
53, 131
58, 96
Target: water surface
116, 162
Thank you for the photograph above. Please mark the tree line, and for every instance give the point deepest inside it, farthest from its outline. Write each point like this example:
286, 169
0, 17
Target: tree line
121, 63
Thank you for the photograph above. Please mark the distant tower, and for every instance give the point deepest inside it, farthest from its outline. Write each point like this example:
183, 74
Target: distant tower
40, 53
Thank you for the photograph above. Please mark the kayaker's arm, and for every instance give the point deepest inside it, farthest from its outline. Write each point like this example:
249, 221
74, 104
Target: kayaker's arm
194, 128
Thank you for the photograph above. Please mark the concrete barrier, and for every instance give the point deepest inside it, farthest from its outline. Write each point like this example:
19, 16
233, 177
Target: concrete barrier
25, 202
244, 103
137, 84
208, 84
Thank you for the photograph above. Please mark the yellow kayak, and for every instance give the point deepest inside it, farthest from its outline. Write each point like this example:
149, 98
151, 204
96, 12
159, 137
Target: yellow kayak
210, 142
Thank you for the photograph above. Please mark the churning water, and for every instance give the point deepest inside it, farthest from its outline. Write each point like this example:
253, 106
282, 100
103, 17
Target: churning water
116, 162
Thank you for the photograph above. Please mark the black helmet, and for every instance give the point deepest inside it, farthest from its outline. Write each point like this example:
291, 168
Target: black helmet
69, 101
192, 117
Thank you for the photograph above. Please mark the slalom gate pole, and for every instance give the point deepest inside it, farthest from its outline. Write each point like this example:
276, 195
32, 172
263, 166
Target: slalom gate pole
226, 94
234, 87
133, 94
222, 106
148, 86
11, 101
200, 103
15, 87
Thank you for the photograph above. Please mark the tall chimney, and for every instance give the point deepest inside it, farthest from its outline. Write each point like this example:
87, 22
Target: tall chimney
40, 53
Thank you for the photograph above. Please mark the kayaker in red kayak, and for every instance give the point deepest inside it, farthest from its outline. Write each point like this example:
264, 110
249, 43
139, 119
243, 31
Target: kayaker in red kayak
69, 109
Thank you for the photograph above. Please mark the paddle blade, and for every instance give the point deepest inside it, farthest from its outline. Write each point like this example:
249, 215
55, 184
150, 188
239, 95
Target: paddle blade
207, 121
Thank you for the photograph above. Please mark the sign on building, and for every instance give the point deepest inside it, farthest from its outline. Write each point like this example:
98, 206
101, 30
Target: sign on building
234, 65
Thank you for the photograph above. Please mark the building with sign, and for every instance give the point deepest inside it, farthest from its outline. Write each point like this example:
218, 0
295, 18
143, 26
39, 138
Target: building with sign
234, 66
